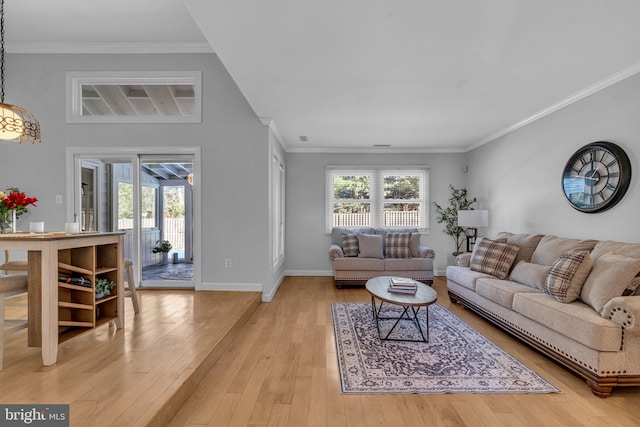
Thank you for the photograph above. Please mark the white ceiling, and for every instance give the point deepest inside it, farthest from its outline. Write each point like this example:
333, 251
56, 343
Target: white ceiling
418, 75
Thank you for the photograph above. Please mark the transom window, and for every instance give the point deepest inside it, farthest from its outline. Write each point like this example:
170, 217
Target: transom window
393, 197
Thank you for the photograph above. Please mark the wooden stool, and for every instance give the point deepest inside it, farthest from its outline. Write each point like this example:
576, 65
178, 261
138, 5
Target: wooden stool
10, 286
131, 285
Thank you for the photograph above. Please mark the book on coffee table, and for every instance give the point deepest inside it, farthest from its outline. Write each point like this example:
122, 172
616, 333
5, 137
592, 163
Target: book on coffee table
402, 285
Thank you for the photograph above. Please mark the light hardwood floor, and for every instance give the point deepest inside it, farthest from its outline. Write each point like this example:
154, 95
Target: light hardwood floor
238, 362
282, 371
135, 377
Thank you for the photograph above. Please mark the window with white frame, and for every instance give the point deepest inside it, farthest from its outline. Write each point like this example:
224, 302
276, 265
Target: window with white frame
376, 197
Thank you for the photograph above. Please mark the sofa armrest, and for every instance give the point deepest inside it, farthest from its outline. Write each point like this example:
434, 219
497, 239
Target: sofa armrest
463, 260
425, 251
625, 311
335, 251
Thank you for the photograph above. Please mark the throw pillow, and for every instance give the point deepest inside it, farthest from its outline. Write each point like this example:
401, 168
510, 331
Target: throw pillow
613, 275
567, 275
533, 275
492, 257
397, 245
414, 245
349, 245
370, 245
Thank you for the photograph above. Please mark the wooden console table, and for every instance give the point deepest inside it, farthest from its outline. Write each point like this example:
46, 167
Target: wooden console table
59, 311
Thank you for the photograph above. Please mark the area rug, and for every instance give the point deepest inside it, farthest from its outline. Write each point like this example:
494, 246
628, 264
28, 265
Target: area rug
182, 274
457, 358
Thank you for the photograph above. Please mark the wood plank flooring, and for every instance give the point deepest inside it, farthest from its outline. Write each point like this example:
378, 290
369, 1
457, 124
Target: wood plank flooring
282, 371
225, 359
135, 377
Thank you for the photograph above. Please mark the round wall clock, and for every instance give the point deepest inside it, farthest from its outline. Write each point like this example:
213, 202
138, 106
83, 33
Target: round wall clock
596, 177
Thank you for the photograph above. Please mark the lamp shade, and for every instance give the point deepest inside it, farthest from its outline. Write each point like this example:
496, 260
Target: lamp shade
473, 218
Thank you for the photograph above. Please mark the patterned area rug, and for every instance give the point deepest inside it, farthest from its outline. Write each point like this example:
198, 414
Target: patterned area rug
182, 274
457, 358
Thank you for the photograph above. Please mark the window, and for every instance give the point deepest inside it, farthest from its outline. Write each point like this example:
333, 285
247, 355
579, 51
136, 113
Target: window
134, 97
393, 197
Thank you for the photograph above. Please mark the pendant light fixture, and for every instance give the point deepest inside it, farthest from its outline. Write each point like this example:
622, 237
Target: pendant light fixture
16, 123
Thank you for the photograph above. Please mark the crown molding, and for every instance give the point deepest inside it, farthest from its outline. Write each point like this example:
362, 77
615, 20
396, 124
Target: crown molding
371, 150
268, 121
589, 90
109, 48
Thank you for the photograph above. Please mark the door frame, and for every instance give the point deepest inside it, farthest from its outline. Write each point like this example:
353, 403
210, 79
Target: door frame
74, 155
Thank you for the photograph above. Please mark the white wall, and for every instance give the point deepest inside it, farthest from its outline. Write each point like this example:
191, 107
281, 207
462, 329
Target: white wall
517, 177
234, 154
307, 244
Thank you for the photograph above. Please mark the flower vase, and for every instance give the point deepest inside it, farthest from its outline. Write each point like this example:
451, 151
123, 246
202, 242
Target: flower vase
8, 222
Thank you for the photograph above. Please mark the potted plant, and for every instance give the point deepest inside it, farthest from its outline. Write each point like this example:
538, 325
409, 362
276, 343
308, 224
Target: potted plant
103, 287
458, 201
163, 248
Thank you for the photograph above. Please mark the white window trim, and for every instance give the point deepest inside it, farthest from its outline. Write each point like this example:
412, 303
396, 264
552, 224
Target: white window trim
76, 79
376, 195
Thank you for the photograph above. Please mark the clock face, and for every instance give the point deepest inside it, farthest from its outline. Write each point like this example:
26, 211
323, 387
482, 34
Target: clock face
596, 177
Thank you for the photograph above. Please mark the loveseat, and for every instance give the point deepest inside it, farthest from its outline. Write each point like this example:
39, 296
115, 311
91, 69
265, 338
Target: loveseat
576, 301
359, 254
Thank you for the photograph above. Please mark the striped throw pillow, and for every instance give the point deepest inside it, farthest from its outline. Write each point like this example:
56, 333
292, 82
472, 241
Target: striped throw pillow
567, 275
397, 245
492, 257
350, 245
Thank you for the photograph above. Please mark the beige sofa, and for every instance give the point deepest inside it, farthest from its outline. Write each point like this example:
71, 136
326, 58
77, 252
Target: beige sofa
577, 316
359, 254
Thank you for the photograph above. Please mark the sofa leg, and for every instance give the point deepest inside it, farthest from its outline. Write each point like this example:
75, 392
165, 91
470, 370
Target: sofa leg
600, 391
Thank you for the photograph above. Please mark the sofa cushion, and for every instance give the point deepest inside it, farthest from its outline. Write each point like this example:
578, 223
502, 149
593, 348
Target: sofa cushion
608, 246
350, 244
529, 274
551, 247
576, 320
370, 246
610, 277
567, 275
383, 232
336, 233
493, 258
501, 291
369, 264
464, 276
526, 242
408, 264
397, 245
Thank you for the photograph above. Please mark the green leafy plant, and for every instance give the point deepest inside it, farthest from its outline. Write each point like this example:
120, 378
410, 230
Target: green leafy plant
164, 246
458, 201
104, 287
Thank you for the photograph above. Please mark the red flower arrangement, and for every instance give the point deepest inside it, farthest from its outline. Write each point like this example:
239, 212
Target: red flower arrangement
15, 200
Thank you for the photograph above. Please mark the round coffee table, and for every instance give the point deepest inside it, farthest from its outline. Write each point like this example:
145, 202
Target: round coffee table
411, 303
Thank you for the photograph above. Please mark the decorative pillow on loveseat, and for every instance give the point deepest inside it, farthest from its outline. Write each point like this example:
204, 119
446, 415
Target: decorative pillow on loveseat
567, 275
350, 245
613, 275
397, 245
492, 257
370, 245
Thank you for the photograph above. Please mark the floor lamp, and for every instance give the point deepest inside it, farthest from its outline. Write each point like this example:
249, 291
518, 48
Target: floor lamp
471, 220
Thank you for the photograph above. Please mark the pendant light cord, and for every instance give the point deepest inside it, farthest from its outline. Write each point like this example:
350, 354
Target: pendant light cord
1, 51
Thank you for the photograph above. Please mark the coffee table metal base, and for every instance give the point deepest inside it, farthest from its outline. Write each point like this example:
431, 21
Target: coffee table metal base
409, 313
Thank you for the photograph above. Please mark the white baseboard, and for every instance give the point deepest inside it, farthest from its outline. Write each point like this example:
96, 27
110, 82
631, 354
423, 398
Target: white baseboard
268, 297
239, 287
308, 273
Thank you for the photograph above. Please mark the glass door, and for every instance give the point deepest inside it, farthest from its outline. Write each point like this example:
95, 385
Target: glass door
167, 220
150, 199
